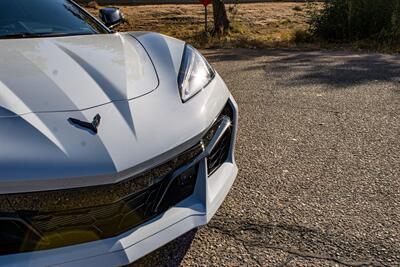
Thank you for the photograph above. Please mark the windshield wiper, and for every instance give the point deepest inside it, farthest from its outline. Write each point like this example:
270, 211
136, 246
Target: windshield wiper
23, 35
41, 34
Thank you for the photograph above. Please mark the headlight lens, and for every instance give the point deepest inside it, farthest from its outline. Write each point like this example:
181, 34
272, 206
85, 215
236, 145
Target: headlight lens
195, 73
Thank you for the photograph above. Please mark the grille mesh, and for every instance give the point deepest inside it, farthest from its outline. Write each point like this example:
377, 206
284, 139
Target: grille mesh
220, 153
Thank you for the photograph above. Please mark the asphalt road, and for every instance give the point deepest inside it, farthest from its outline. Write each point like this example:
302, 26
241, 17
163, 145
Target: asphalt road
319, 158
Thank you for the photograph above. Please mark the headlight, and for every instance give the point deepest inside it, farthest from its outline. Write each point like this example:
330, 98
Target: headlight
195, 73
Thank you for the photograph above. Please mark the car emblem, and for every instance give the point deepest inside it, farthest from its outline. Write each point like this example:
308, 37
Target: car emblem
93, 126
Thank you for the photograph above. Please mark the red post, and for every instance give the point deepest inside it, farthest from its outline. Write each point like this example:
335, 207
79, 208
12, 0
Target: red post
206, 19
205, 4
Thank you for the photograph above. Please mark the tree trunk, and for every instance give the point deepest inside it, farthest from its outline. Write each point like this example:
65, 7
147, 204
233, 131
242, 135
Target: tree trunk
221, 21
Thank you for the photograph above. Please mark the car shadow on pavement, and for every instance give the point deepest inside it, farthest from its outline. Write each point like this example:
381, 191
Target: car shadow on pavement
170, 254
336, 68
338, 71
237, 54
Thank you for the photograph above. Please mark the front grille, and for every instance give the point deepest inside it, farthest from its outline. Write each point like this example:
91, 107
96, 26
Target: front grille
98, 195
45, 220
220, 153
69, 217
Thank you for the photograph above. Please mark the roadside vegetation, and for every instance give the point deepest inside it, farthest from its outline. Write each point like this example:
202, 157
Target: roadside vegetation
359, 23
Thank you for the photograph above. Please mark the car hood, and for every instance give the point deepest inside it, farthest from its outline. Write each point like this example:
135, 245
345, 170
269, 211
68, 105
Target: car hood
72, 73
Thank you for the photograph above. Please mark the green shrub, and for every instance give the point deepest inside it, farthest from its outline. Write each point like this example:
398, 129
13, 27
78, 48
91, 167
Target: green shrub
297, 8
302, 36
354, 20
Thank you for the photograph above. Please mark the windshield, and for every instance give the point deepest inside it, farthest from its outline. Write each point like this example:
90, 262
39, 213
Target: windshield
37, 18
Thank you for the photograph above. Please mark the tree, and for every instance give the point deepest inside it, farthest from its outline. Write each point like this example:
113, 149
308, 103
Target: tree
221, 21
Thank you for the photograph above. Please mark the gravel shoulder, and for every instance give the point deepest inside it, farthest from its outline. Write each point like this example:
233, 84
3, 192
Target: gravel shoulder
319, 158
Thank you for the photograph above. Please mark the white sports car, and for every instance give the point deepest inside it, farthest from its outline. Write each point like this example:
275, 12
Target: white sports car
111, 144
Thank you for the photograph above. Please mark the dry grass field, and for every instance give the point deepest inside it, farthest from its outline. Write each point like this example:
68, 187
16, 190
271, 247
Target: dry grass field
253, 25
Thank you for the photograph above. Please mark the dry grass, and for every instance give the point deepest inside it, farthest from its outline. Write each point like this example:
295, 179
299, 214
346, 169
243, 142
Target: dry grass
253, 25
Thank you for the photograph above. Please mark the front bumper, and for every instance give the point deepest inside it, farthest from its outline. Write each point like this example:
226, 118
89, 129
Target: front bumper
196, 210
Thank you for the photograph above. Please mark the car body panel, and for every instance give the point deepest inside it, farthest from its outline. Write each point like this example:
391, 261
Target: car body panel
72, 73
144, 123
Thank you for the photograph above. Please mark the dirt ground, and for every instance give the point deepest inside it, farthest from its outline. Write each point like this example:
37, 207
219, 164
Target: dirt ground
253, 25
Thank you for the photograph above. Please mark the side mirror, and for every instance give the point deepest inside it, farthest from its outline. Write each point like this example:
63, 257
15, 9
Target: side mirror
111, 16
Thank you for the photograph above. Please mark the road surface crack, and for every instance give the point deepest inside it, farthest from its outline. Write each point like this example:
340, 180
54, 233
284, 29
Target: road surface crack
248, 243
